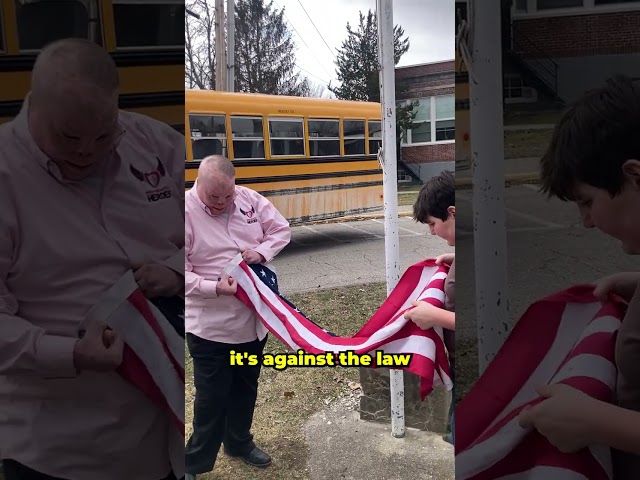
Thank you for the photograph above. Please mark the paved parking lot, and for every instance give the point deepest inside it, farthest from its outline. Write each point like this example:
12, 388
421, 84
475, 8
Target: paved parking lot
347, 253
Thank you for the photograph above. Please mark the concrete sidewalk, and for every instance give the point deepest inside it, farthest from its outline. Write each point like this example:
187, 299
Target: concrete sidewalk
347, 448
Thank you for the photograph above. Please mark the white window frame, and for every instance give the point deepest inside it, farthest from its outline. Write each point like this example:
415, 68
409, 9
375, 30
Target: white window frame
287, 119
588, 8
407, 142
148, 48
247, 139
323, 139
223, 138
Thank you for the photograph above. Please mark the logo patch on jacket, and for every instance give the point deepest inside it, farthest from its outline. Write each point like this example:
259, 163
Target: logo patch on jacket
249, 213
153, 178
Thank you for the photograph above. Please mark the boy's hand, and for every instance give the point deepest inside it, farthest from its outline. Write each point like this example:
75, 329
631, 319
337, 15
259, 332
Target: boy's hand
562, 418
445, 258
423, 315
622, 284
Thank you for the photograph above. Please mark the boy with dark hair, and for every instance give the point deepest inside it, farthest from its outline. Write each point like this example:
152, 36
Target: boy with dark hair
435, 207
594, 161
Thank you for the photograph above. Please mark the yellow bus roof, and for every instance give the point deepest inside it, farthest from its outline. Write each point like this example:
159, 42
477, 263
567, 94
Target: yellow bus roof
209, 101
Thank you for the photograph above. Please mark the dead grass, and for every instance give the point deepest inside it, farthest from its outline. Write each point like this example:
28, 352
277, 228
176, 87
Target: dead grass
466, 367
407, 198
526, 143
286, 399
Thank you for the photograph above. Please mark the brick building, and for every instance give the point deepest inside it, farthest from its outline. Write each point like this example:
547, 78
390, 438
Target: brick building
429, 147
557, 49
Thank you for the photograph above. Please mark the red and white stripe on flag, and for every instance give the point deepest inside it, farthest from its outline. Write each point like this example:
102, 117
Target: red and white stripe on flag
387, 330
567, 338
154, 352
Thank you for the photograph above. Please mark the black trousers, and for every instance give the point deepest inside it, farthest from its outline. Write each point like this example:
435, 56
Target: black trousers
224, 404
16, 471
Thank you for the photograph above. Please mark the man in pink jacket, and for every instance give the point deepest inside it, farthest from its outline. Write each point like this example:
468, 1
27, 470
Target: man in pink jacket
88, 194
221, 221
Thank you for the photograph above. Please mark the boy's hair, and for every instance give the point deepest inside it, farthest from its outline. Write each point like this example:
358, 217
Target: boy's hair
435, 197
594, 138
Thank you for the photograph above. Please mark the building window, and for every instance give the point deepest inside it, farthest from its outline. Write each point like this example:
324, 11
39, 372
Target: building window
287, 136
324, 138
248, 137
208, 135
353, 137
73, 19
375, 136
149, 24
434, 121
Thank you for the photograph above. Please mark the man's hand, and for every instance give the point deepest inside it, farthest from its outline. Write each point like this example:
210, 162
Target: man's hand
226, 286
157, 280
423, 315
99, 349
445, 258
622, 284
251, 257
562, 418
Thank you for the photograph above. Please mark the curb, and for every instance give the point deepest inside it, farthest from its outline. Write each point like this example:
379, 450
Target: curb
357, 218
509, 179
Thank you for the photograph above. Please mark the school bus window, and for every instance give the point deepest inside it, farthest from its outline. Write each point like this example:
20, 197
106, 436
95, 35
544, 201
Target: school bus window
208, 135
353, 137
248, 137
149, 24
73, 18
375, 136
287, 136
324, 137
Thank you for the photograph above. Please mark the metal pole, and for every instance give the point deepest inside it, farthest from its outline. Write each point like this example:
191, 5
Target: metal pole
390, 187
487, 145
231, 25
221, 63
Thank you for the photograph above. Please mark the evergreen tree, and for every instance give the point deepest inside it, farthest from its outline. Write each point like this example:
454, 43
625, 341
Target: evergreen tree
265, 51
358, 67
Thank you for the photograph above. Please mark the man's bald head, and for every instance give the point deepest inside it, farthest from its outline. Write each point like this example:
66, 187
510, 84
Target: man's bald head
216, 183
73, 106
72, 66
216, 165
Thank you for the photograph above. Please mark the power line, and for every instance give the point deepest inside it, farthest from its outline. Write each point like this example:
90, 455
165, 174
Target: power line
305, 43
307, 71
314, 26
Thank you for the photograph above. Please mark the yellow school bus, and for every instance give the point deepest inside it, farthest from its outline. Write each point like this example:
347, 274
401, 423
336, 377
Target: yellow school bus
314, 158
145, 39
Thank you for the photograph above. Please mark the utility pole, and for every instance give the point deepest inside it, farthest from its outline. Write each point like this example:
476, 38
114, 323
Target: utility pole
390, 188
221, 61
231, 31
487, 146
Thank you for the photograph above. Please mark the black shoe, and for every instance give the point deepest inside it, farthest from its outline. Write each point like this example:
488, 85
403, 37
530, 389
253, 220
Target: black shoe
189, 476
448, 438
255, 458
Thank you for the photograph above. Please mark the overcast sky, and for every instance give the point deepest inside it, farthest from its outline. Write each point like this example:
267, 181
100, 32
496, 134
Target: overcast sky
429, 25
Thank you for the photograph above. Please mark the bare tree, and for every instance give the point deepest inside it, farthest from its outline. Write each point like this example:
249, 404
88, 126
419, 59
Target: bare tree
199, 46
318, 90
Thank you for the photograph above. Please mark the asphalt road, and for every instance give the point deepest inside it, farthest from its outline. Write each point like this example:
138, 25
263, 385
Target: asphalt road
548, 250
348, 253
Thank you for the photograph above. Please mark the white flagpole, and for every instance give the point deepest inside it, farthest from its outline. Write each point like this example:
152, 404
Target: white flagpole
390, 188
487, 145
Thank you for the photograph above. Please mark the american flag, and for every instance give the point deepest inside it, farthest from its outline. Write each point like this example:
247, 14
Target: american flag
387, 330
153, 359
567, 338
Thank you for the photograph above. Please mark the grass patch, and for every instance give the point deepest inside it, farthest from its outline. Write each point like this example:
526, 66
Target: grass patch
407, 199
288, 398
532, 118
526, 143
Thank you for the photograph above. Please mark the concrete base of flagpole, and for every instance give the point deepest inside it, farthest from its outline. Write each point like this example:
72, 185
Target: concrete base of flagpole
430, 415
